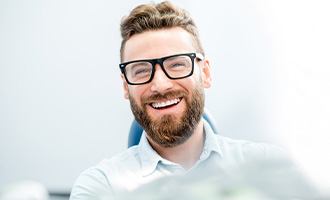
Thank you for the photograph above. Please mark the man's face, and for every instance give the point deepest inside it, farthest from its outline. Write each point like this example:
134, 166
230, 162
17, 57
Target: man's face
167, 109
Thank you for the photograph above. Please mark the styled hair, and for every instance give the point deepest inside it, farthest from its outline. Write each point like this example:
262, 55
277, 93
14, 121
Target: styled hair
152, 16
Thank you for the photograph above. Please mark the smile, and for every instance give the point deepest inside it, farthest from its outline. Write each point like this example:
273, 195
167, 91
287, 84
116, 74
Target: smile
165, 104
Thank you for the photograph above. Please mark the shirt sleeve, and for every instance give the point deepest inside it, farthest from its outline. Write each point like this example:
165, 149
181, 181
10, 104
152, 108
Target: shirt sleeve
92, 184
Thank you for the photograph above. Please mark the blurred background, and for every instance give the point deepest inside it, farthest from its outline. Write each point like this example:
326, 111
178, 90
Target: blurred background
61, 102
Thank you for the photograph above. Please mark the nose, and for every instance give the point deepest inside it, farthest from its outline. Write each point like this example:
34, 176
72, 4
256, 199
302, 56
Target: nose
160, 82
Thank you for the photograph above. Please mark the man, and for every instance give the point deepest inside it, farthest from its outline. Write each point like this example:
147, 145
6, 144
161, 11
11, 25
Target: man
164, 72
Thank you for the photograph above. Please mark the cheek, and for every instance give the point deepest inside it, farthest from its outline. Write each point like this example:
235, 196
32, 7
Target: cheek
188, 84
197, 75
196, 80
135, 93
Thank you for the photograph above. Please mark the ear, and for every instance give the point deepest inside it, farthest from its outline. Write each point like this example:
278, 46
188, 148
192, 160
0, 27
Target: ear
125, 87
206, 73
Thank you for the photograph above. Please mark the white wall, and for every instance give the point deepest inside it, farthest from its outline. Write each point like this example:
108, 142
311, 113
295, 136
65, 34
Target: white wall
61, 104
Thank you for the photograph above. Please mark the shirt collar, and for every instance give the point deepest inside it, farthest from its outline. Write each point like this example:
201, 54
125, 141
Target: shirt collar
211, 143
150, 158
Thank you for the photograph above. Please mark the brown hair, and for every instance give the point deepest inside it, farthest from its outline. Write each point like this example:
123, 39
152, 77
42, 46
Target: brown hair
153, 16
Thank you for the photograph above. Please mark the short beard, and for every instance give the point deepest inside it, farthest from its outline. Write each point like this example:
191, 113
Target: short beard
169, 131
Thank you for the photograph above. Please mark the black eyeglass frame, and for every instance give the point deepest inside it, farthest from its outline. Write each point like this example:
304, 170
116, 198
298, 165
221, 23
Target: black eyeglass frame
160, 61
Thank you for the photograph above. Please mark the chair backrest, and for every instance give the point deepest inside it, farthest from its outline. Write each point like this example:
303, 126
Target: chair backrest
136, 130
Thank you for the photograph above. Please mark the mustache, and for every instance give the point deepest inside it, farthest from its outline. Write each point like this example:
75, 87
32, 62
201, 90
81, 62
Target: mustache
165, 96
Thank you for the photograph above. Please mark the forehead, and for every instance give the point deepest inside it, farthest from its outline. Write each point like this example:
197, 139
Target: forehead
158, 43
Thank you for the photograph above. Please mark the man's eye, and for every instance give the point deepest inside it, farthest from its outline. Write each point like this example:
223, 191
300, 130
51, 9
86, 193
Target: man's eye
178, 65
141, 72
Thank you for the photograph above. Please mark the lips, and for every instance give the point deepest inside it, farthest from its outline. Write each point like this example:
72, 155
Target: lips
165, 103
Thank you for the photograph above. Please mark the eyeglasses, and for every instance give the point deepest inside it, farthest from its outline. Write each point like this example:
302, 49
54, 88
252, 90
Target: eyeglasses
176, 66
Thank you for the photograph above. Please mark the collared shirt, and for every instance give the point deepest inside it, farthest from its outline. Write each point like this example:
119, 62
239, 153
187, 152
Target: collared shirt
141, 164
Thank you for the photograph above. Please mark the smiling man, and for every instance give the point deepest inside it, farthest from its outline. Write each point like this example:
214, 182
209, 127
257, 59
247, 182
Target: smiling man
165, 76
164, 72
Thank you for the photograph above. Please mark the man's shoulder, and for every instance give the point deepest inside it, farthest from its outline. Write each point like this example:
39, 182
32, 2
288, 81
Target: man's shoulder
108, 175
126, 162
246, 150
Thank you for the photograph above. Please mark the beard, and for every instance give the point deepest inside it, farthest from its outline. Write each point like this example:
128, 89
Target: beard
168, 131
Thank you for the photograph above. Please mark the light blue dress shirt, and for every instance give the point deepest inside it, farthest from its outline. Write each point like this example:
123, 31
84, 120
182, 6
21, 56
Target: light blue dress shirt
141, 164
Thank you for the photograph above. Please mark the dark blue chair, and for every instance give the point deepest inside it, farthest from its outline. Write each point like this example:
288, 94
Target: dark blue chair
136, 130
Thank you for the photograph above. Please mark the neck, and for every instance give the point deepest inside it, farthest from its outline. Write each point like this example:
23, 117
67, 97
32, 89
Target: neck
186, 154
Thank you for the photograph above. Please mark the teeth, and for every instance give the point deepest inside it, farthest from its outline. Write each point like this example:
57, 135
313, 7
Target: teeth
165, 103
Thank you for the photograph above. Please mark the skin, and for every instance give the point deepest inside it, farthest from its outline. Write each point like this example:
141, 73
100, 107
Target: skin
156, 44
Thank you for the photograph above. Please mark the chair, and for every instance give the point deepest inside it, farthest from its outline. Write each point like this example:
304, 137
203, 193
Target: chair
136, 130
